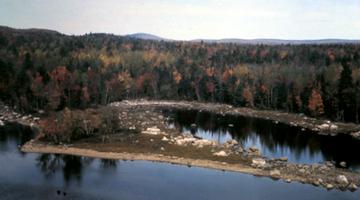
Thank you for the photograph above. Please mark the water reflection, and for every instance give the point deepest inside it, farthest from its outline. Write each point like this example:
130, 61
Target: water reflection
108, 163
45, 176
274, 140
70, 166
19, 135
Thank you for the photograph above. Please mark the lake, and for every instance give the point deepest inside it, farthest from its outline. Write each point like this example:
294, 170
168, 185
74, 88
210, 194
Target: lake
273, 139
49, 176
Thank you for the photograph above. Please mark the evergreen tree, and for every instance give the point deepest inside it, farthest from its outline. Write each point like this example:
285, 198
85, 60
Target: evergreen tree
346, 93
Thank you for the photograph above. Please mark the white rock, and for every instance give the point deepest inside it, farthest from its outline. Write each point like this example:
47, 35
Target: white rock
329, 186
202, 142
232, 142
356, 134
342, 180
162, 149
2, 123
352, 186
253, 149
323, 126
275, 172
220, 153
165, 139
258, 162
152, 131
184, 141
343, 164
333, 127
284, 159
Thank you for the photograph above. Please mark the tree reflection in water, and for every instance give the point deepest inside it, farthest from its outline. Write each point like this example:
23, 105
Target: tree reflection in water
70, 166
20, 134
272, 139
107, 164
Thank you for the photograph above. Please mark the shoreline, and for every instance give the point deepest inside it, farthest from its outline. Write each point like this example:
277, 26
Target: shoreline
318, 126
327, 179
31, 147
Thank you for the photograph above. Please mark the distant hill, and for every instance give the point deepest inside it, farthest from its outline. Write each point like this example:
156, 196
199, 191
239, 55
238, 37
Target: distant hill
146, 36
5, 29
279, 41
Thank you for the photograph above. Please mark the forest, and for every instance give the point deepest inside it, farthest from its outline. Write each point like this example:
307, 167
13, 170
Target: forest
47, 70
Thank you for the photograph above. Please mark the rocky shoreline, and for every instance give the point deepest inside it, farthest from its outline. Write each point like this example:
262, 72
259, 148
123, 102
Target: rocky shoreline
155, 141
322, 175
8, 115
152, 140
319, 126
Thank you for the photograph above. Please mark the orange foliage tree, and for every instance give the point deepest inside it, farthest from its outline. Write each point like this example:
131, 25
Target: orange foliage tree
316, 106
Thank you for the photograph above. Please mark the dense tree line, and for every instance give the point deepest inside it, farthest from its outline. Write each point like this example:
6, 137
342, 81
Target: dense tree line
46, 70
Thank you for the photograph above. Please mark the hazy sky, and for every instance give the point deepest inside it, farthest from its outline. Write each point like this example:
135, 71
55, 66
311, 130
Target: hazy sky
190, 19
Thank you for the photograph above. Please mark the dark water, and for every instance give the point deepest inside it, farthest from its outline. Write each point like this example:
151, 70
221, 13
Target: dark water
274, 140
42, 176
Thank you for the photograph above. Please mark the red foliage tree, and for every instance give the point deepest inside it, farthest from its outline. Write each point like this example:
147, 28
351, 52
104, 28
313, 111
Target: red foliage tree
316, 106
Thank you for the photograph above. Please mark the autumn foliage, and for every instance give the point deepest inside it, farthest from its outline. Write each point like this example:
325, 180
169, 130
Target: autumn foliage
69, 125
316, 106
47, 71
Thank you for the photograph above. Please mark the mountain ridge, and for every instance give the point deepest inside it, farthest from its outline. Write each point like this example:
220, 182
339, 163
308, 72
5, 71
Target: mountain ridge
258, 41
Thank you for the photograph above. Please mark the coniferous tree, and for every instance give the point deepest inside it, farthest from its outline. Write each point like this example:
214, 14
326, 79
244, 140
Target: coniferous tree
346, 93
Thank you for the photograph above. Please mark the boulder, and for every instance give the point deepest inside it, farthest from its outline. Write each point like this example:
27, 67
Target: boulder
342, 180
2, 123
356, 134
220, 153
258, 162
323, 126
343, 164
253, 149
329, 186
353, 187
165, 139
152, 131
333, 127
184, 141
275, 173
202, 143
302, 171
230, 143
283, 159
316, 183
